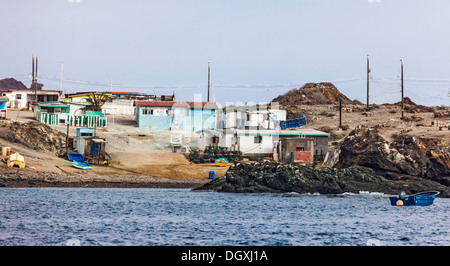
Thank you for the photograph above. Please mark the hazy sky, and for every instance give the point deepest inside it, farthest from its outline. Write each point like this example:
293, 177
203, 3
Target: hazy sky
258, 49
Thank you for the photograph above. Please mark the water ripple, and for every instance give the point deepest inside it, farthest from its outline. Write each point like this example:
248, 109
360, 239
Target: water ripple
57, 216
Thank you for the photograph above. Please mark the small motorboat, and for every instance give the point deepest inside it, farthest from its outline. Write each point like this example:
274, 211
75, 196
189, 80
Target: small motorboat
73, 156
81, 165
222, 162
419, 199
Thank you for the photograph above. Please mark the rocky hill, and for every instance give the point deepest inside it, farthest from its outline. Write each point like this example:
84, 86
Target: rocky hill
36, 136
12, 84
311, 94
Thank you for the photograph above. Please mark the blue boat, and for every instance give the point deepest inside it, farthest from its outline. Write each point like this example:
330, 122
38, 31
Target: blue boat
419, 199
81, 165
73, 156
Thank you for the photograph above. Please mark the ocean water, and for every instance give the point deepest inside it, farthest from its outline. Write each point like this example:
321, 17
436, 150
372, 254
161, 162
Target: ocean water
118, 217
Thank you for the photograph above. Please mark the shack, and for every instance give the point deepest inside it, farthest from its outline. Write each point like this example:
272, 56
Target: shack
295, 150
93, 148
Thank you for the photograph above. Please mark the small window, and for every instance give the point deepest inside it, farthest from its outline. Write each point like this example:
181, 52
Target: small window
258, 139
18, 96
147, 111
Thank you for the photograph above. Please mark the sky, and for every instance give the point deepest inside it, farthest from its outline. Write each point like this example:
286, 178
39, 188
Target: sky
258, 49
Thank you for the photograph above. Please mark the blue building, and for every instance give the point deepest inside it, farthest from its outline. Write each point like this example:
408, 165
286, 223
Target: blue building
3, 101
165, 115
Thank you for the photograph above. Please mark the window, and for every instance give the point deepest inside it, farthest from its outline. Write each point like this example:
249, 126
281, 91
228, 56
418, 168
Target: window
18, 96
147, 111
258, 139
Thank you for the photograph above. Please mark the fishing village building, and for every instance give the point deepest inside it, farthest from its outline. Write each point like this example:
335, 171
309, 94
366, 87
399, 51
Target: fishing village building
263, 131
24, 99
264, 142
165, 115
61, 113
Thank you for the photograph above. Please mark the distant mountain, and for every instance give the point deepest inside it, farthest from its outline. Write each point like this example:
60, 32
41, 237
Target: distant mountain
12, 84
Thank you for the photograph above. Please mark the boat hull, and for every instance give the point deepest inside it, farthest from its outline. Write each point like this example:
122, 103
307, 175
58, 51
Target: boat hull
419, 199
221, 162
82, 166
73, 156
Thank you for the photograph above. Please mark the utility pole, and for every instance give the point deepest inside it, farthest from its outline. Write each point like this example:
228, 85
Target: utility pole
110, 80
368, 77
36, 84
402, 88
340, 113
209, 77
62, 68
34, 76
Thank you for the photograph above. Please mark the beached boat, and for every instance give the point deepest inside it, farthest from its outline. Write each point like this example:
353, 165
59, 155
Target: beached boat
16, 160
81, 165
73, 156
222, 162
419, 199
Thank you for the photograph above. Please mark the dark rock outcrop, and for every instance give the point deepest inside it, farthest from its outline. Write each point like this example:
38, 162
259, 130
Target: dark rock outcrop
367, 163
404, 156
280, 178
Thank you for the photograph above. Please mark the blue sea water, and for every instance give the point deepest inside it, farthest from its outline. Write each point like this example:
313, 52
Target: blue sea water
117, 217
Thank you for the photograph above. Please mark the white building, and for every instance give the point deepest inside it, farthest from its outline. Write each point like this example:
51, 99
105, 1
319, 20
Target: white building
240, 117
252, 141
20, 99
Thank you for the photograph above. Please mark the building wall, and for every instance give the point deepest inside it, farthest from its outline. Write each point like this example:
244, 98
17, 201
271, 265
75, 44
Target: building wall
289, 145
154, 117
202, 119
320, 146
247, 144
2, 105
17, 99
118, 109
184, 118
240, 119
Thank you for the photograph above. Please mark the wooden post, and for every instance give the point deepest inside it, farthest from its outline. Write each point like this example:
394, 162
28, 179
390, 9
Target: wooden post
67, 139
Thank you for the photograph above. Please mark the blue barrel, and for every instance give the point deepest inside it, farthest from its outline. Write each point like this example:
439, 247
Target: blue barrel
212, 175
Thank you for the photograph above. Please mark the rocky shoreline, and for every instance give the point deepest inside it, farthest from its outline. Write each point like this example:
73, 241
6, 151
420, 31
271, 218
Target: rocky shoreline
21, 178
281, 178
367, 162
